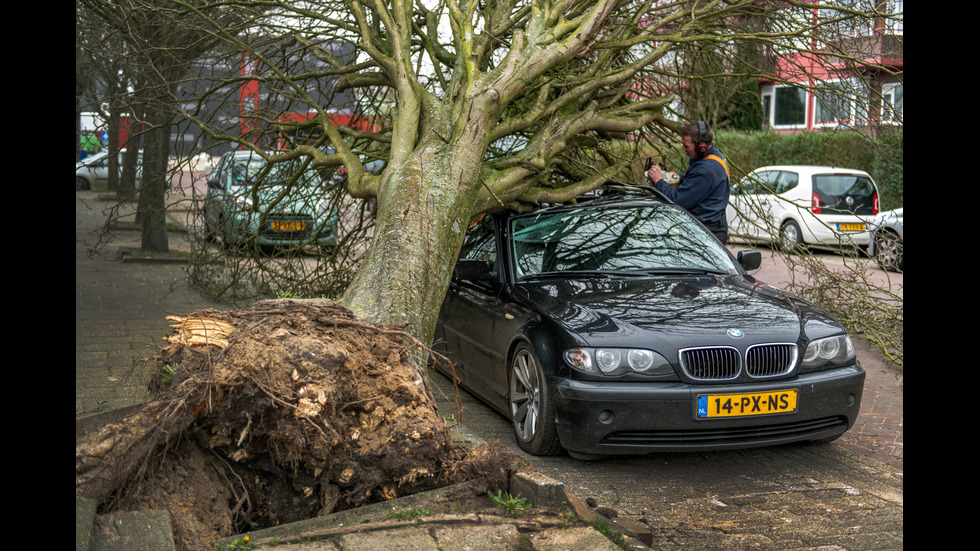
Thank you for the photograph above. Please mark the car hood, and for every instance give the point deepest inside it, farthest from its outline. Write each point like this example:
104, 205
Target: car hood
676, 312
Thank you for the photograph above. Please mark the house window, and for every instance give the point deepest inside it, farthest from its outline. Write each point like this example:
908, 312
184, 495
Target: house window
842, 18
896, 19
789, 108
841, 102
892, 102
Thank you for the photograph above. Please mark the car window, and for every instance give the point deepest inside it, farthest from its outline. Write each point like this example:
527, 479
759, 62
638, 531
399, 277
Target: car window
763, 182
614, 239
850, 193
480, 242
248, 170
786, 181
245, 170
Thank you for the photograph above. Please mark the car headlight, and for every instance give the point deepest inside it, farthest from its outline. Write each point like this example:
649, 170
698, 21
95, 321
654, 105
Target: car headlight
829, 352
618, 361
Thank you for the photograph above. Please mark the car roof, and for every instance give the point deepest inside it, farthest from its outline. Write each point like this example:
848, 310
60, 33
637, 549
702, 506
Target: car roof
812, 169
612, 194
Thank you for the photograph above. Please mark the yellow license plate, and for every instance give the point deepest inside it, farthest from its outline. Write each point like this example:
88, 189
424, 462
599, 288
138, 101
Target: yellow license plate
287, 225
712, 406
851, 227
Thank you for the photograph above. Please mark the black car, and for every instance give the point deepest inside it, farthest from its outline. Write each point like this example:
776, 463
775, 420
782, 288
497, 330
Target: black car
620, 325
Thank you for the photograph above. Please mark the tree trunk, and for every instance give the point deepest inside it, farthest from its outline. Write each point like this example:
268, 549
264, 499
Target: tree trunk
424, 209
153, 192
127, 182
114, 146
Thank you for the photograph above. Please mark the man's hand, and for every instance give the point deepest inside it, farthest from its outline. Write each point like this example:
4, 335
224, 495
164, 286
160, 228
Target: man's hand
655, 174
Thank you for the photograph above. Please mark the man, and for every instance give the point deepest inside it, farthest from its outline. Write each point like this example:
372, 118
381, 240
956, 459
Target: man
705, 187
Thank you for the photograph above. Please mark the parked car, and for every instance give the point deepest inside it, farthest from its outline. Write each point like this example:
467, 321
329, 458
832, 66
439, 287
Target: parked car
799, 206
888, 240
621, 325
94, 171
250, 201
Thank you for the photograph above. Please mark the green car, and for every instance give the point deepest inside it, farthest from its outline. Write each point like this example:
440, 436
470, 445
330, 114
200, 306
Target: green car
250, 201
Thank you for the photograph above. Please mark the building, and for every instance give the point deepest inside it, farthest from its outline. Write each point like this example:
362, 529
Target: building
859, 86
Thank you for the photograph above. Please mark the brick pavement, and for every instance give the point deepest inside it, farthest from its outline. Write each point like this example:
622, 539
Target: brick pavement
120, 312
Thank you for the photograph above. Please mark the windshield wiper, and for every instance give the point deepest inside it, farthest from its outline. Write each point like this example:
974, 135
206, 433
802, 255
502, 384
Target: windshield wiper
571, 274
679, 270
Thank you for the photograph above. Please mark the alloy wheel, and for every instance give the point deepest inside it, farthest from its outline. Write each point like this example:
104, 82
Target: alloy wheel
531, 410
888, 251
525, 396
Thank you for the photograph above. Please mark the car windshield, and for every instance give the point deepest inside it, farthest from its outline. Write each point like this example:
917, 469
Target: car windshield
647, 239
246, 169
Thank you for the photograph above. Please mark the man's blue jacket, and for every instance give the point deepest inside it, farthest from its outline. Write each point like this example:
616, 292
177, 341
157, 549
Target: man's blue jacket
704, 188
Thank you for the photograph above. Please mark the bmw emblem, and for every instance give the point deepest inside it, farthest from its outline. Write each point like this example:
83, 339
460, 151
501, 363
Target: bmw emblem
735, 333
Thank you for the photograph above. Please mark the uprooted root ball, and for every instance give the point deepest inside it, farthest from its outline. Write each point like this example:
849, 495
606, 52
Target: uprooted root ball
285, 410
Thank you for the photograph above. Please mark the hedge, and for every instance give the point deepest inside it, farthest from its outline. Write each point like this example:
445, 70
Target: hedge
882, 159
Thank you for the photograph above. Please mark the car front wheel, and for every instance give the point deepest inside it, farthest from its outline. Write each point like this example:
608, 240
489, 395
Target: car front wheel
531, 410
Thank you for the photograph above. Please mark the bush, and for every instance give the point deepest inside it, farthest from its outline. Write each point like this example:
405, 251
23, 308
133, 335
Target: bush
883, 159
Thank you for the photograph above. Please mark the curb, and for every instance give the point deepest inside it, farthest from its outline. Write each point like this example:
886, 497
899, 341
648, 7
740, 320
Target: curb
152, 531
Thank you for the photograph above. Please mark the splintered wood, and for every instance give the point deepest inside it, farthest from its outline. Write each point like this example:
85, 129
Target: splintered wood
199, 330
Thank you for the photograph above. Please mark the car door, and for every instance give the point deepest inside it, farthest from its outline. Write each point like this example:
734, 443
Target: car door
212, 198
468, 311
754, 205
789, 200
101, 171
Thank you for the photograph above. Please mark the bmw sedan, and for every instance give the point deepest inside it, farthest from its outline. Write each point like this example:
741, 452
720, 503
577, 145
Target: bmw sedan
620, 325
249, 201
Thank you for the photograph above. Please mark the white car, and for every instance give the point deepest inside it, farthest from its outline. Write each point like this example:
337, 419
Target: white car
94, 171
887, 245
799, 206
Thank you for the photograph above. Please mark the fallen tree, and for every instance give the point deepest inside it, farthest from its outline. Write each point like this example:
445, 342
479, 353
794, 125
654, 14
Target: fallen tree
276, 413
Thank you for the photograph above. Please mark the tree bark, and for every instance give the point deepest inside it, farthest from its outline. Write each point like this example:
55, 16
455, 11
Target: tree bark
424, 208
153, 192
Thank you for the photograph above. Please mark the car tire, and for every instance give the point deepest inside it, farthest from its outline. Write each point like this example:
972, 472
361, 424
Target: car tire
81, 184
531, 410
227, 244
210, 233
790, 237
889, 251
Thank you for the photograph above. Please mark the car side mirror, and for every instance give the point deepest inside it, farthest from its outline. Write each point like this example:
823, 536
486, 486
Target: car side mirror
214, 183
473, 270
750, 260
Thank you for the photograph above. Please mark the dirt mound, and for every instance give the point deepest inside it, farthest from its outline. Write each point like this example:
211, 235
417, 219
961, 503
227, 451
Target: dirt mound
273, 414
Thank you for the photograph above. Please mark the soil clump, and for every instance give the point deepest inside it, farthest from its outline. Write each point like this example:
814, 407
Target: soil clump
277, 413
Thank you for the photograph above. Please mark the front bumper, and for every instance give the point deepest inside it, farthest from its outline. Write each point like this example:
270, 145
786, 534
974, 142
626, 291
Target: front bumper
630, 418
